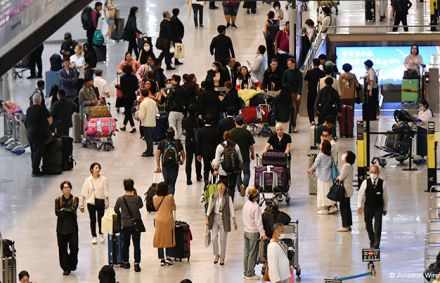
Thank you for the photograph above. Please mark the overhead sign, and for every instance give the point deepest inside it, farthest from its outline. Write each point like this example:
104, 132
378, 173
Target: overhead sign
369, 255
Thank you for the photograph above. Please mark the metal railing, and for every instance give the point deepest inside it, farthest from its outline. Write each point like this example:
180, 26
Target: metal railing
382, 29
313, 51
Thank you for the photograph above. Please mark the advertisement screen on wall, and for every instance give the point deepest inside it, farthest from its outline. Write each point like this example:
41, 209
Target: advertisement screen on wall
388, 60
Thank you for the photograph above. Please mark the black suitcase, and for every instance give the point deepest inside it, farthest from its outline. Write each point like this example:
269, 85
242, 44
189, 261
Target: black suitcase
183, 241
160, 132
370, 10
9, 263
68, 160
114, 249
101, 52
119, 30
53, 157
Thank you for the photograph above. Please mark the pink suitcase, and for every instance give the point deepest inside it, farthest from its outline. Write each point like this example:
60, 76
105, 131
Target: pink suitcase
101, 127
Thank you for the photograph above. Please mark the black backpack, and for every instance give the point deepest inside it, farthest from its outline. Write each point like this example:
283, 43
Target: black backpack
56, 62
86, 18
170, 156
231, 162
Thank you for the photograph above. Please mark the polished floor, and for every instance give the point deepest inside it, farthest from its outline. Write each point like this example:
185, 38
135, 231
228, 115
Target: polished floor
26, 203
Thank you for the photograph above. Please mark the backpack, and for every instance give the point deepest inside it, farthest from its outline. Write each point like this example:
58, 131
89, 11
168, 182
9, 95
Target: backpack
170, 156
86, 18
98, 38
56, 62
231, 162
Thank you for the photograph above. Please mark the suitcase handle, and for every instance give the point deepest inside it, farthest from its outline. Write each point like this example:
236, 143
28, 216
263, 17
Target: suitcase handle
274, 179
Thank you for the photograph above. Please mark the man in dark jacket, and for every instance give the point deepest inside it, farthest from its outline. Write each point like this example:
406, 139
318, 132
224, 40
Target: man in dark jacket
272, 77
179, 30
209, 102
38, 120
167, 35
191, 126
231, 99
67, 228
68, 46
230, 72
312, 78
62, 112
208, 139
177, 101
400, 11
39, 90
328, 102
292, 83
221, 46
227, 123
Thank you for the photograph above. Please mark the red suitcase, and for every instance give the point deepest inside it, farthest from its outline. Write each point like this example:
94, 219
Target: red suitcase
257, 114
346, 121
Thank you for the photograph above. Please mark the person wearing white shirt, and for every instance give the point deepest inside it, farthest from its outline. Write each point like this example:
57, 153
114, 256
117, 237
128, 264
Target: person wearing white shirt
259, 65
373, 200
218, 219
147, 116
328, 23
77, 61
230, 178
277, 260
101, 84
253, 231
95, 193
414, 60
424, 116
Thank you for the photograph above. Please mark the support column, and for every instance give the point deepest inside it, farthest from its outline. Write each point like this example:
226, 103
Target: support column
292, 30
361, 144
431, 157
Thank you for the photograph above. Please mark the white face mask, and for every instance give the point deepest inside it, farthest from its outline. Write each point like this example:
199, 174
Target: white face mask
374, 176
343, 157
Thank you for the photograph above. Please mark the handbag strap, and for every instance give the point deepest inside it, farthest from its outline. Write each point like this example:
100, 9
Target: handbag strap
128, 208
160, 203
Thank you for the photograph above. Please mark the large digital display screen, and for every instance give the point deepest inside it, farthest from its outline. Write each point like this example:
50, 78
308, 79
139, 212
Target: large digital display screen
388, 60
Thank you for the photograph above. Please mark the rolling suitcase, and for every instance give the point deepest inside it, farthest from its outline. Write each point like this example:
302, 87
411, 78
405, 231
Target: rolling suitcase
314, 138
370, 10
101, 52
312, 177
266, 179
67, 144
77, 127
9, 267
53, 157
346, 122
114, 249
119, 30
278, 159
410, 90
183, 241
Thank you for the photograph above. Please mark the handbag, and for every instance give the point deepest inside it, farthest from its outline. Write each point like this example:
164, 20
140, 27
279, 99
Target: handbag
337, 191
335, 170
138, 224
162, 43
179, 51
207, 237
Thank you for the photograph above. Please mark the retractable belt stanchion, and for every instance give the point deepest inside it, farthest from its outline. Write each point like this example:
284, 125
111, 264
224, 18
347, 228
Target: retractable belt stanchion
431, 158
362, 162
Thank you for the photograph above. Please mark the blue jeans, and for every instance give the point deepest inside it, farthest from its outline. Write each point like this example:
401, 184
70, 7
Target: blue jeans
129, 233
246, 169
170, 177
148, 134
250, 253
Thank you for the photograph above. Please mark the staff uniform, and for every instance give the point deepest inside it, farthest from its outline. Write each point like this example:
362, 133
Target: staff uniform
95, 191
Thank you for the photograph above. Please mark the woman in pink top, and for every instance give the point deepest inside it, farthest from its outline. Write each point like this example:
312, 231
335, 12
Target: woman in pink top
128, 61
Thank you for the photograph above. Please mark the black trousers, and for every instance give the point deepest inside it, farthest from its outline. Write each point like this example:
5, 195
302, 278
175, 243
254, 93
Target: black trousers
62, 131
311, 98
370, 214
345, 209
68, 251
372, 104
422, 140
96, 210
128, 116
207, 169
90, 34
167, 55
132, 45
130, 233
35, 61
270, 49
231, 181
190, 148
198, 14
37, 150
397, 21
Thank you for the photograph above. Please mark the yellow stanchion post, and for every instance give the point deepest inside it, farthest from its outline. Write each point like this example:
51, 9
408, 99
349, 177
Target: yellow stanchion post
433, 7
431, 157
361, 152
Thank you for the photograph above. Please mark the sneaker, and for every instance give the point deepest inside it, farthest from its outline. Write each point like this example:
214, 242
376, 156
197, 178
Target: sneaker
255, 277
133, 130
101, 238
168, 261
322, 212
313, 124
162, 262
333, 209
295, 130
94, 241
122, 129
234, 26
228, 25
189, 182
242, 190
137, 268
176, 62
342, 229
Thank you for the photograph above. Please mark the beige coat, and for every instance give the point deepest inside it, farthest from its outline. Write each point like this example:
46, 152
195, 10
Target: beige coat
347, 85
164, 236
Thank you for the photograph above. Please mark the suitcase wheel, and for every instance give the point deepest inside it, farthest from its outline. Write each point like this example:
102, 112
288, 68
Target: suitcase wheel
298, 271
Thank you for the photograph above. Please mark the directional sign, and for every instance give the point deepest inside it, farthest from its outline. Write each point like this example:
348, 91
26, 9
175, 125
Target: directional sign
369, 255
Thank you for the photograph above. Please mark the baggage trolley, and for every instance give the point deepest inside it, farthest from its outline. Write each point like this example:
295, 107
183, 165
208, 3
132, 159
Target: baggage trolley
291, 241
275, 192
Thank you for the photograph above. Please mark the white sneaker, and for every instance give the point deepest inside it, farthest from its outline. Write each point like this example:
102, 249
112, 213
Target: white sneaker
101, 238
322, 212
333, 209
295, 130
94, 241
255, 277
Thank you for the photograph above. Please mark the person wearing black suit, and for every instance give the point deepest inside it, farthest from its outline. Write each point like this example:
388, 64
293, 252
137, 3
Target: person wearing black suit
272, 77
227, 123
231, 99
62, 112
221, 46
209, 102
208, 139
191, 126
167, 35
179, 30
129, 85
230, 71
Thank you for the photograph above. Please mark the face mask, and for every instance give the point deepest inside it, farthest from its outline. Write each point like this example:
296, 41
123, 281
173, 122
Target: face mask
147, 47
214, 69
373, 176
277, 8
168, 85
343, 157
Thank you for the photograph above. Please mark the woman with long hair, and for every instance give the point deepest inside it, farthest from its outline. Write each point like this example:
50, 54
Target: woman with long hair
131, 32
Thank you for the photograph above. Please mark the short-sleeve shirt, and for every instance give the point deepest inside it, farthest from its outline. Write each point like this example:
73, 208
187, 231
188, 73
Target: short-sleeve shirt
312, 77
164, 143
280, 145
244, 139
36, 120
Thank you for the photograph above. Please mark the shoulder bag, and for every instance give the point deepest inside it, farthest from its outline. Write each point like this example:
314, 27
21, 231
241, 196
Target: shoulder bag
138, 224
335, 170
337, 191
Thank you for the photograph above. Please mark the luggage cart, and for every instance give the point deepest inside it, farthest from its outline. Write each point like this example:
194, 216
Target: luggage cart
292, 243
7, 129
100, 139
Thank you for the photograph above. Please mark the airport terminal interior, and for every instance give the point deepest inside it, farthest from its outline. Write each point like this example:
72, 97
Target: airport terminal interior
27, 203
